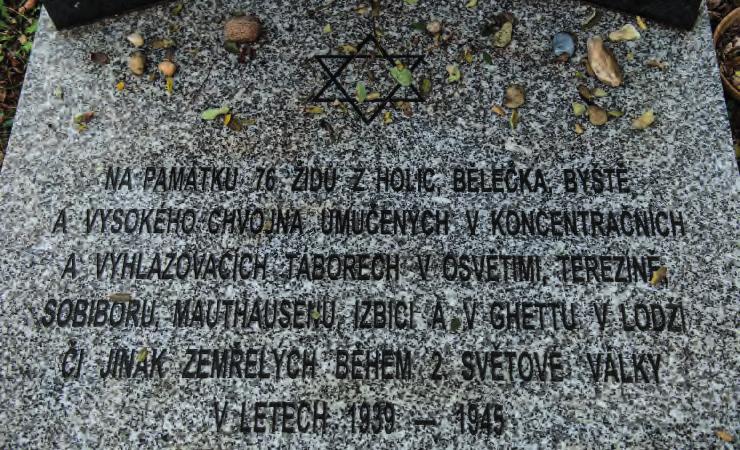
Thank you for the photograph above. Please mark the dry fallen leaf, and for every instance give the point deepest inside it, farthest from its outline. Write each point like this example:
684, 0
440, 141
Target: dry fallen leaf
641, 23
579, 109
498, 110
603, 63
659, 276
579, 129
387, 117
626, 33
657, 64
170, 84
514, 96
597, 116
644, 121
724, 435
313, 110
120, 86
585, 92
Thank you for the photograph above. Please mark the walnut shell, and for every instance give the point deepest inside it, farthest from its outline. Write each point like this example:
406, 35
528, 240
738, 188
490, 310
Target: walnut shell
243, 29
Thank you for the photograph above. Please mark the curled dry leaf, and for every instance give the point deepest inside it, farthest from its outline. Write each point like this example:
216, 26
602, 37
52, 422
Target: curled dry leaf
641, 23
603, 63
659, 276
615, 113
644, 121
591, 19
498, 110
597, 116
387, 117
514, 96
579, 129
585, 92
626, 33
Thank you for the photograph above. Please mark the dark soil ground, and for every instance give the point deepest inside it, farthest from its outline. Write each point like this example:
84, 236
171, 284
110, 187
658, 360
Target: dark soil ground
18, 25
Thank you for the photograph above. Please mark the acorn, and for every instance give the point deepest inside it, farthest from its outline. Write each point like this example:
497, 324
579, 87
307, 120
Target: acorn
243, 29
167, 67
136, 63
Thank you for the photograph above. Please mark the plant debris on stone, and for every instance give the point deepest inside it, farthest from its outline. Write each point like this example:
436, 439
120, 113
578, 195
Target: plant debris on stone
602, 62
627, 33
212, 113
644, 121
514, 96
99, 58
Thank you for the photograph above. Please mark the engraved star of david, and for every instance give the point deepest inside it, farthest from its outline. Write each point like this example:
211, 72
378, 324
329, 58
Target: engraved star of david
332, 79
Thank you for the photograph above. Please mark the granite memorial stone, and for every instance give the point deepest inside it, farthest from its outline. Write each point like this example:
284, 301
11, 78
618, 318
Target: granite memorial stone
368, 246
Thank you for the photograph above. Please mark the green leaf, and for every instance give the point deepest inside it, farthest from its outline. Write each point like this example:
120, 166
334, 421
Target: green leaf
212, 113
27, 46
426, 86
33, 27
327, 28
402, 76
361, 92
315, 314
231, 47
177, 9
487, 59
471, 4
411, 2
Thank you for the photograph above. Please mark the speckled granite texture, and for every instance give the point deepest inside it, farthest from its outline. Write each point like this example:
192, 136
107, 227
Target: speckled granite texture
683, 163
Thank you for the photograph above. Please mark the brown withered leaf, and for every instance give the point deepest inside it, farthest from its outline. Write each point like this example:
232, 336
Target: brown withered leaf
659, 276
99, 58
